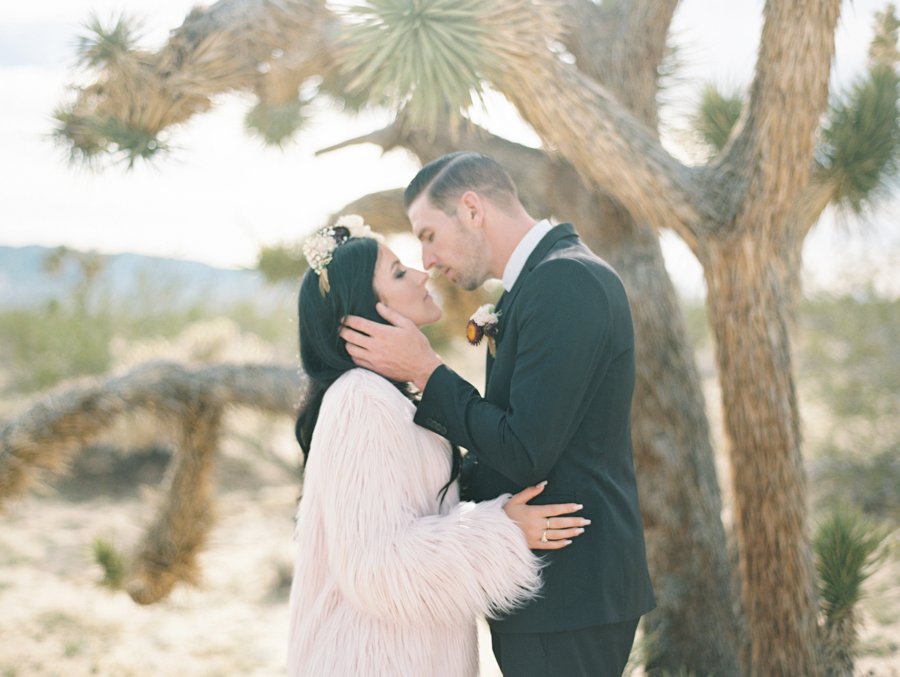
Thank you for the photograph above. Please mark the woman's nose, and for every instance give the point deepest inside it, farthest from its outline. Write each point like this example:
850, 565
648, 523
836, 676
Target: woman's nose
421, 277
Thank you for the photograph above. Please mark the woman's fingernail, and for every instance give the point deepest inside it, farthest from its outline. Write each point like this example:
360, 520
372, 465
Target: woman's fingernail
580, 531
567, 542
543, 484
579, 507
585, 522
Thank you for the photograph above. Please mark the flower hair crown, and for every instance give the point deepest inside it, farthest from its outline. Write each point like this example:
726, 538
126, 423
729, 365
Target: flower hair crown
319, 247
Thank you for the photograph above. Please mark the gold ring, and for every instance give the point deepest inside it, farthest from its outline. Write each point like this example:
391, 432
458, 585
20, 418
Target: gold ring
544, 536
548, 522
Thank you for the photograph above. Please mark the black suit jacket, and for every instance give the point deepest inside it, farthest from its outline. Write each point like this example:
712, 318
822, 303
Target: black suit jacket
557, 406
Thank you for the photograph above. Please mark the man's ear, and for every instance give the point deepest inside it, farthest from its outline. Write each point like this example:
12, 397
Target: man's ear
470, 210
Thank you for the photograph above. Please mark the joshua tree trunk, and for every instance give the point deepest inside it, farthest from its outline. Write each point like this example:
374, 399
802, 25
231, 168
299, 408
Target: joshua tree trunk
749, 309
696, 626
168, 553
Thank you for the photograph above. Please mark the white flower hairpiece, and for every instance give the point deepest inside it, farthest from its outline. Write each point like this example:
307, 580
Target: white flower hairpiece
484, 322
319, 247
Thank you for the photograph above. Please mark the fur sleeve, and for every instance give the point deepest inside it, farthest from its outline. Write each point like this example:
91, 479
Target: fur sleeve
388, 560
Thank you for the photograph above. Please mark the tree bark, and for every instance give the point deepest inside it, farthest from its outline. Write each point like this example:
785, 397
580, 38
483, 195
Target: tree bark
696, 626
168, 553
748, 308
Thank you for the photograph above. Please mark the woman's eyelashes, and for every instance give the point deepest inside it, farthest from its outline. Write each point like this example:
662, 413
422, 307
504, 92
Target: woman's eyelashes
399, 274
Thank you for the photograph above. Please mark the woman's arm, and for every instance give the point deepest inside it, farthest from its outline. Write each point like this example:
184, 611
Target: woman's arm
389, 561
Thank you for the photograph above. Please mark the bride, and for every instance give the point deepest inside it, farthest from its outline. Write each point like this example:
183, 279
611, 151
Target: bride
392, 570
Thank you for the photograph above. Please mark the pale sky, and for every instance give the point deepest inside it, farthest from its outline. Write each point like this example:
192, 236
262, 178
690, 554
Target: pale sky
222, 194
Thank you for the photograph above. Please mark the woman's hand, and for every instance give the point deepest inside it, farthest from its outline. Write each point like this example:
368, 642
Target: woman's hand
544, 526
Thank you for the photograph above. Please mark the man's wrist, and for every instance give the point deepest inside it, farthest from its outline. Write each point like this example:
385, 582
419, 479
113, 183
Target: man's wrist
422, 379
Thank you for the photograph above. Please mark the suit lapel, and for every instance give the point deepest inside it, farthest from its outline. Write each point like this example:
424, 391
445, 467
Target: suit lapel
560, 232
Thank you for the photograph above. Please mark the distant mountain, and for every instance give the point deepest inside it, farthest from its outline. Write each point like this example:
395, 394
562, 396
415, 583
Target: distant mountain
130, 278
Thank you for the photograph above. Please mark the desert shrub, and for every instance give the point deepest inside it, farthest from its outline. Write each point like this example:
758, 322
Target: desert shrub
850, 350
849, 368
43, 346
112, 563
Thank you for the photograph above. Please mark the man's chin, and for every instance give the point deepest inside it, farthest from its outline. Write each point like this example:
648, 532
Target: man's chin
467, 283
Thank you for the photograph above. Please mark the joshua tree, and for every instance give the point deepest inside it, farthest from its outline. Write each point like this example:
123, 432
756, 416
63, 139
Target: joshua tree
271, 48
189, 404
584, 75
738, 214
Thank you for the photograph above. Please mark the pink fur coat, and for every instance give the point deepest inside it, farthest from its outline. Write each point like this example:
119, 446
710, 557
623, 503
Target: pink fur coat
389, 581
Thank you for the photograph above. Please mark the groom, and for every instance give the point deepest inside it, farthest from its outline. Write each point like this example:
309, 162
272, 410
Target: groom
557, 406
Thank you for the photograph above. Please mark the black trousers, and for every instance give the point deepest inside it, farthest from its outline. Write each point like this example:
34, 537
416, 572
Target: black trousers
598, 651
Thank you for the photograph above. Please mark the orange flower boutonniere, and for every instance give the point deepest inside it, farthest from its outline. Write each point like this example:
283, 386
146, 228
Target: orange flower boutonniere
484, 322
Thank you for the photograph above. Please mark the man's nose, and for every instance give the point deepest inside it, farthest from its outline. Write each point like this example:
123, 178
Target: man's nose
428, 260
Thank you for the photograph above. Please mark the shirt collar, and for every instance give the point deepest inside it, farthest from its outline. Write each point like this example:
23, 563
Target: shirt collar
522, 251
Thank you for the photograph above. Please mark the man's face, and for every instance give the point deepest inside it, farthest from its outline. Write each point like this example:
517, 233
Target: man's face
459, 252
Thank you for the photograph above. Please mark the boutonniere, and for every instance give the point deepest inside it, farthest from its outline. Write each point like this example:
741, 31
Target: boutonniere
485, 322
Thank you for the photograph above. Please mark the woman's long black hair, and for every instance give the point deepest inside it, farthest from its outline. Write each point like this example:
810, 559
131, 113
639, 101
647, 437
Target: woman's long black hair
323, 353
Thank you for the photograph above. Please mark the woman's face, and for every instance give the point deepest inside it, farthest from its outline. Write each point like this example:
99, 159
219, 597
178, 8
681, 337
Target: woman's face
403, 289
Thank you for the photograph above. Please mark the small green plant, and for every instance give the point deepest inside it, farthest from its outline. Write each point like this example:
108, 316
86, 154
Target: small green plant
848, 548
74, 647
111, 562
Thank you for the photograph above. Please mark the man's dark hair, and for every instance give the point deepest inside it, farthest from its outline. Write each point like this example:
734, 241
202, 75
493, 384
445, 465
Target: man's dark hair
445, 179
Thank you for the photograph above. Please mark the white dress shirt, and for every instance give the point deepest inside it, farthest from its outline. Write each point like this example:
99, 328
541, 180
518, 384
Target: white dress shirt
522, 251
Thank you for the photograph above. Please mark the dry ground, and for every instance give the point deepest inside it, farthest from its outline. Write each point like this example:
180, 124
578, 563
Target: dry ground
57, 619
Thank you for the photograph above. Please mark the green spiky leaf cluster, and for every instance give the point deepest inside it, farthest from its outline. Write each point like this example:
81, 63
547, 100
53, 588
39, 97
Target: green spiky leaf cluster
425, 54
103, 45
336, 85
89, 137
883, 49
848, 548
716, 116
276, 123
860, 149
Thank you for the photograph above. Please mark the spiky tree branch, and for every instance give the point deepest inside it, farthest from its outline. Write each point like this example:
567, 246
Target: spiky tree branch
767, 165
222, 48
190, 403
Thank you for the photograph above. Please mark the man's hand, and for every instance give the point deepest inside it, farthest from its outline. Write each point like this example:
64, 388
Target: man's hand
398, 351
